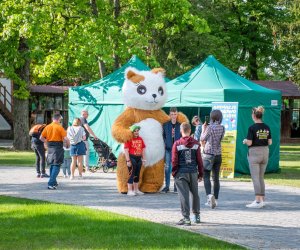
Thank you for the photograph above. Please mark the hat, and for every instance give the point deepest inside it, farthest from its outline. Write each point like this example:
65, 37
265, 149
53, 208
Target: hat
134, 127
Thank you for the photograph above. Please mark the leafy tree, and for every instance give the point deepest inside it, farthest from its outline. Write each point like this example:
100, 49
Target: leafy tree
46, 40
245, 32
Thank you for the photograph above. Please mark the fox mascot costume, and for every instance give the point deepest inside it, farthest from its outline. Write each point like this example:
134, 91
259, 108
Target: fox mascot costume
144, 94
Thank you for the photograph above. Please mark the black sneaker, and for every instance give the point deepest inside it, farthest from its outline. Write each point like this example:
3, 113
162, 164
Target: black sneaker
55, 185
51, 187
184, 222
44, 176
165, 190
196, 218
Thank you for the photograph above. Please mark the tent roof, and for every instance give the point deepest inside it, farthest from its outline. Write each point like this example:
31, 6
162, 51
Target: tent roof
107, 90
213, 82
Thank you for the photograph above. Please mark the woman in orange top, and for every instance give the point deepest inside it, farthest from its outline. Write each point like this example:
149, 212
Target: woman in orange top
135, 155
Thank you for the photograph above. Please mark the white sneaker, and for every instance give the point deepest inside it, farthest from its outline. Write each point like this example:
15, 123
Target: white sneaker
255, 204
138, 192
211, 201
216, 201
131, 193
65, 176
71, 177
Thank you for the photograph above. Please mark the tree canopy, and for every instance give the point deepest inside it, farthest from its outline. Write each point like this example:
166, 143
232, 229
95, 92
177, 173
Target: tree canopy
82, 40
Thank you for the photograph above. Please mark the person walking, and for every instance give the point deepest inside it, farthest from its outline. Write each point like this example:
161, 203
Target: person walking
54, 134
187, 169
135, 156
76, 135
66, 167
211, 137
258, 141
198, 130
171, 133
38, 147
88, 132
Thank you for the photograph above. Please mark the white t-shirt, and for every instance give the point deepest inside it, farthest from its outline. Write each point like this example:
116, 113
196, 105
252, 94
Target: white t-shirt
75, 134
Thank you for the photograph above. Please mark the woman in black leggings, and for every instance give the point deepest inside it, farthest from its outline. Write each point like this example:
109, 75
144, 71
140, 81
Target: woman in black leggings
211, 137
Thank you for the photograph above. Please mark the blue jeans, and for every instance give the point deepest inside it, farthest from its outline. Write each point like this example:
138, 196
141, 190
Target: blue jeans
168, 167
54, 171
66, 166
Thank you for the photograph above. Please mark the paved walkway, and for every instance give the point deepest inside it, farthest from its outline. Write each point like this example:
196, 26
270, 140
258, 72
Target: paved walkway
274, 227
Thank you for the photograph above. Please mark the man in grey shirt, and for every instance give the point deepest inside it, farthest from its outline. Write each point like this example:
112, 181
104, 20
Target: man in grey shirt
88, 132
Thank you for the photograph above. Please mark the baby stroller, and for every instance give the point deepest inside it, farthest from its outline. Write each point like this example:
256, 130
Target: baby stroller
106, 159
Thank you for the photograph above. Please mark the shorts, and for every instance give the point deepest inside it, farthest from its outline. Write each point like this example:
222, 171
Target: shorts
78, 149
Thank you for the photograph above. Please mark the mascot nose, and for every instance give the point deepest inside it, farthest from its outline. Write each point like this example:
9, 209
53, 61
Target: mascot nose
154, 96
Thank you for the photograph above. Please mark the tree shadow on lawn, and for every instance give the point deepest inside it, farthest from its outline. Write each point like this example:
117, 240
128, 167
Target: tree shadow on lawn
40, 225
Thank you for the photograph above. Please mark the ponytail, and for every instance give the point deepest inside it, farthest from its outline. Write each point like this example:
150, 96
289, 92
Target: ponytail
258, 112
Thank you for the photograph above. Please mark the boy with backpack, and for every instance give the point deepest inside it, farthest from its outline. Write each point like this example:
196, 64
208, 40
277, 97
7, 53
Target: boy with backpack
38, 147
187, 169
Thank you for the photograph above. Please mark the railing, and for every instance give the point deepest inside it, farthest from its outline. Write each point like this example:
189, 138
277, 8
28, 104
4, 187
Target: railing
6, 104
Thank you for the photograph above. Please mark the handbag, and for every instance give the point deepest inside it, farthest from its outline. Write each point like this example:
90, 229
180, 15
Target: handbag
208, 161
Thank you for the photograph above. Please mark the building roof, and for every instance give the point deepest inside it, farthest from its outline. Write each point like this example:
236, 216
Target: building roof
288, 88
48, 89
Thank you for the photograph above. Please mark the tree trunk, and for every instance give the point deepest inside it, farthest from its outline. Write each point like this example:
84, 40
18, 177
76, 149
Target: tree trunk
102, 68
93, 4
117, 9
253, 67
21, 106
21, 124
101, 64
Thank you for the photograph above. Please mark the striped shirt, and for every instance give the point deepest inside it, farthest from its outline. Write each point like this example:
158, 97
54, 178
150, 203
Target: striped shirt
213, 135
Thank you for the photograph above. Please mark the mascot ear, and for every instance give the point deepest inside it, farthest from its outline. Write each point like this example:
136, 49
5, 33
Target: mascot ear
132, 75
159, 71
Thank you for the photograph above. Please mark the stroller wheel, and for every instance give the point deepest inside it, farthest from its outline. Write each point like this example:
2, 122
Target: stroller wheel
105, 169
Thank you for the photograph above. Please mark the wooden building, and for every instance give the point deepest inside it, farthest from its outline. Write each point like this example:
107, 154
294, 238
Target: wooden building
45, 100
290, 112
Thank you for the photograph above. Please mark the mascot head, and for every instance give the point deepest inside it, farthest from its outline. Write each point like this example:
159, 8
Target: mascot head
144, 89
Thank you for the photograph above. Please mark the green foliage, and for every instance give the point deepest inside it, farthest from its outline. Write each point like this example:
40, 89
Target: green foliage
245, 33
69, 40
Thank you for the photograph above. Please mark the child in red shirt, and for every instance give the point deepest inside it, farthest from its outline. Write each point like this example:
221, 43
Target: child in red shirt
135, 156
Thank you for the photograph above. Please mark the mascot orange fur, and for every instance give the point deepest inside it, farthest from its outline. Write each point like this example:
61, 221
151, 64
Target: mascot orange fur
144, 94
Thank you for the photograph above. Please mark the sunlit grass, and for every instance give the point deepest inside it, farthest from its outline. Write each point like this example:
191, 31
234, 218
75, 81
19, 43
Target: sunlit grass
29, 224
16, 158
289, 174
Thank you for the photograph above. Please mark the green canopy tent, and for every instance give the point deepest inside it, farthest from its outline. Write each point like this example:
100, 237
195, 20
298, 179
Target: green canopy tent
213, 82
104, 103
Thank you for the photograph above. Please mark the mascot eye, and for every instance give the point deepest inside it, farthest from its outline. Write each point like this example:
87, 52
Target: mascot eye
161, 91
141, 89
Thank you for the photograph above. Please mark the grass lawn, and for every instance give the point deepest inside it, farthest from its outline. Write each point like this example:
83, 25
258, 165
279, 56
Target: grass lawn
290, 168
10, 157
29, 224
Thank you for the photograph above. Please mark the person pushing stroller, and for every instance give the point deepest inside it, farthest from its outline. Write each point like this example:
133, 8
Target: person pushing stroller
135, 155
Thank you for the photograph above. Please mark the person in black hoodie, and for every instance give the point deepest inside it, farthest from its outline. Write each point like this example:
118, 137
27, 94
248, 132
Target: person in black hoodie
187, 169
38, 147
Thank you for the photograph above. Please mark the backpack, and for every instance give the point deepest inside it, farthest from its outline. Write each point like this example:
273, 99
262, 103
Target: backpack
37, 130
